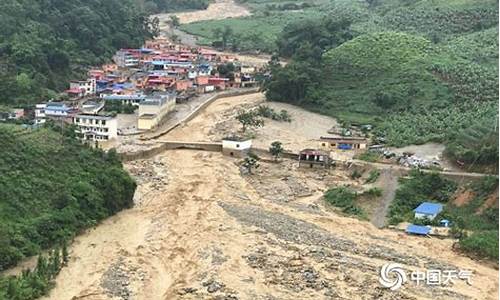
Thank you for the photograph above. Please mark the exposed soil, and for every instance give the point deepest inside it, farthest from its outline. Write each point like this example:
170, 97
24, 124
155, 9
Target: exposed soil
201, 230
218, 10
463, 197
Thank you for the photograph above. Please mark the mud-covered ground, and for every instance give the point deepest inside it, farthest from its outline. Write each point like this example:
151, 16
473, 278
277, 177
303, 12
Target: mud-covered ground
202, 230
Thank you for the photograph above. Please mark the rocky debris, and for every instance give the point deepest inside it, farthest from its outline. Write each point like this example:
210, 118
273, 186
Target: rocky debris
187, 290
213, 285
342, 259
291, 272
215, 254
151, 171
285, 190
116, 281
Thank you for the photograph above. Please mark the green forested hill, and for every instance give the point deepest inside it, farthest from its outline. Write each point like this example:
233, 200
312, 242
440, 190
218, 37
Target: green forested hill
45, 42
52, 187
420, 71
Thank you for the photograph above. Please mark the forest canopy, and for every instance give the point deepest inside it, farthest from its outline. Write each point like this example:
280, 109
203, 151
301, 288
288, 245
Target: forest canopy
43, 43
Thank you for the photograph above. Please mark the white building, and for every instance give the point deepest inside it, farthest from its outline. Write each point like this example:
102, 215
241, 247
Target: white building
87, 87
53, 110
40, 116
235, 146
95, 127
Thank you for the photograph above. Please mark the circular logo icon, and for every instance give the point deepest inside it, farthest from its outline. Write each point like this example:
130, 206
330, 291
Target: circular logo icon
392, 276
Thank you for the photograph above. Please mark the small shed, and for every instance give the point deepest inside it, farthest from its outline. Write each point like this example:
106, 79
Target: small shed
236, 146
314, 158
418, 230
428, 210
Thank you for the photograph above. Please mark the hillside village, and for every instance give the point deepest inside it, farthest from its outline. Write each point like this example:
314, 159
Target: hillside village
151, 80
235, 196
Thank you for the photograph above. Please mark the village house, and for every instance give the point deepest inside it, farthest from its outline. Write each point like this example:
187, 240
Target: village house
127, 58
428, 210
183, 85
236, 146
314, 158
53, 110
154, 109
91, 127
82, 88
342, 143
218, 82
132, 99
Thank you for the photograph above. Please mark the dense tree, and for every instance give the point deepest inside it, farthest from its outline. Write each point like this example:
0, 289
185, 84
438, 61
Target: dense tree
43, 43
249, 119
52, 187
276, 149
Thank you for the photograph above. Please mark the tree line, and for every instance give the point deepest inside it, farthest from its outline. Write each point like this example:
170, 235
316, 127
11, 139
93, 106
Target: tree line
43, 43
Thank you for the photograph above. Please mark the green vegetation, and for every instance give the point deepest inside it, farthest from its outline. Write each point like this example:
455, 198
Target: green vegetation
419, 187
483, 243
249, 119
34, 284
158, 6
421, 71
344, 198
369, 156
472, 216
374, 192
372, 176
267, 112
44, 44
276, 149
52, 187
251, 162
479, 217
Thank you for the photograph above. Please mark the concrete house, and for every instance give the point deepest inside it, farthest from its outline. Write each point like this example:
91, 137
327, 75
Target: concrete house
342, 143
154, 109
95, 127
428, 210
312, 158
236, 146
86, 87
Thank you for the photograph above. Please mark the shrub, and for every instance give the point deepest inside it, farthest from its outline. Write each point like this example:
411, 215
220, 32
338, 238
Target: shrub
344, 198
373, 176
482, 243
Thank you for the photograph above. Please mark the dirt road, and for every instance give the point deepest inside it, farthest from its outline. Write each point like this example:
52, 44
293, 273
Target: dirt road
388, 182
201, 230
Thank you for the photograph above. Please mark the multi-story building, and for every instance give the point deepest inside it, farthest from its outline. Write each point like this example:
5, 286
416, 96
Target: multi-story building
52, 110
133, 99
85, 87
154, 109
96, 127
127, 58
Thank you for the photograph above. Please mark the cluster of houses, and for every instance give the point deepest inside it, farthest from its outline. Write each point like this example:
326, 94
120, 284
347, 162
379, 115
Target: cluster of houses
152, 79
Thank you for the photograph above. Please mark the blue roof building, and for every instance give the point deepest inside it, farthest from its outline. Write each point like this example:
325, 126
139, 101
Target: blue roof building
428, 210
417, 229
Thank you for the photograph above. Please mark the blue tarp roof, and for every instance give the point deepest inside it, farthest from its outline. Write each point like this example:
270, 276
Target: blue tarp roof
428, 208
417, 229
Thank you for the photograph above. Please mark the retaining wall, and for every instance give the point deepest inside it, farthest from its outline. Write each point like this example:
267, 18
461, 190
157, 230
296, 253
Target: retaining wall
194, 113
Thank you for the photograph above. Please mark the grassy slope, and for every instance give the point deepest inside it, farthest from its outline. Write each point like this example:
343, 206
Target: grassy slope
51, 187
259, 31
